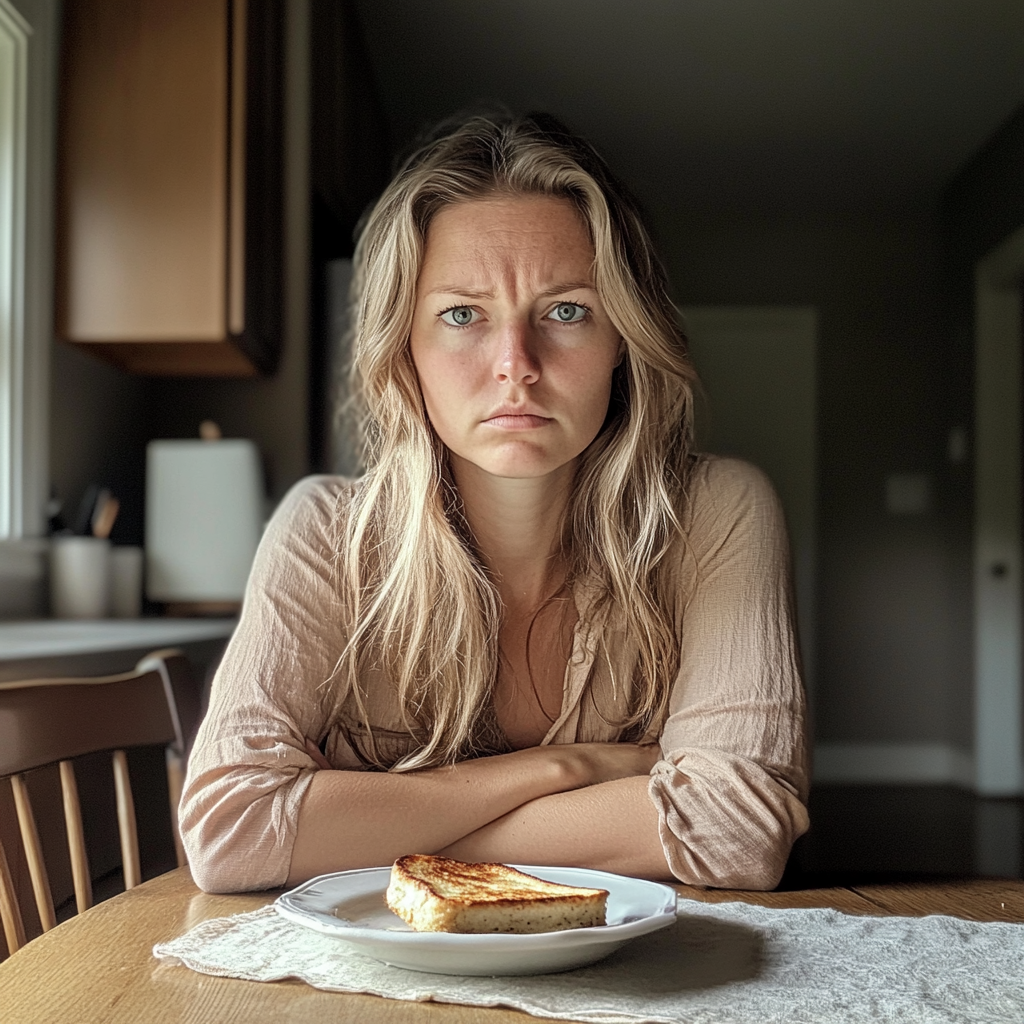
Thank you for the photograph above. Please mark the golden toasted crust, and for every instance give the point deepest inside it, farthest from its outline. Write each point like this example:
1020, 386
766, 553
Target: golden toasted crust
440, 894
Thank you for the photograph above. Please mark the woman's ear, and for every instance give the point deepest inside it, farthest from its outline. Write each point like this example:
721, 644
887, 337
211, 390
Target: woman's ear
622, 352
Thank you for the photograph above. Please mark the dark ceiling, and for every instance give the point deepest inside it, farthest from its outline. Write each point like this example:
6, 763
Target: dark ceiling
714, 106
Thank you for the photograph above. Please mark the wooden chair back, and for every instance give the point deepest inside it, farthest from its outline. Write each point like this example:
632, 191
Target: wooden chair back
53, 721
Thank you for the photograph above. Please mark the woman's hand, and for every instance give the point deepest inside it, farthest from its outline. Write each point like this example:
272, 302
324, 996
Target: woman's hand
612, 826
606, 762
314, 752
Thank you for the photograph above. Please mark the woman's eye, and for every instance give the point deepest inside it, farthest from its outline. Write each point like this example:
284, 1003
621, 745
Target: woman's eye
459, 316
568, 312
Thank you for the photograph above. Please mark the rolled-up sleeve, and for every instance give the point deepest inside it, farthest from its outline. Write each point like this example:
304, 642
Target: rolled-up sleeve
731, 787
275, 688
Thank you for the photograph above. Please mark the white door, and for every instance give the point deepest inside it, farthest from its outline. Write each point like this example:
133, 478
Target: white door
758, 369
998, 701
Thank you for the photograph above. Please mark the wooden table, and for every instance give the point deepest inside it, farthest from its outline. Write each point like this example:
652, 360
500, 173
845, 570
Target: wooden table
99, 967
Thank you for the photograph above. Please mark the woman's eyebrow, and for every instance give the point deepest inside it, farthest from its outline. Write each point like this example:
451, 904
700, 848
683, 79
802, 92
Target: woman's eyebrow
471, 293
572, 286
455, 289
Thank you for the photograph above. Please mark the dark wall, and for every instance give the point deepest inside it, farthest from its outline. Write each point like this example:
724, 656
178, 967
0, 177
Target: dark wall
985, 201
100, 421
893, 662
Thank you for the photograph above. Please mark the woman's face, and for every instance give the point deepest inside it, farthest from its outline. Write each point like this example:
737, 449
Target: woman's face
511, 342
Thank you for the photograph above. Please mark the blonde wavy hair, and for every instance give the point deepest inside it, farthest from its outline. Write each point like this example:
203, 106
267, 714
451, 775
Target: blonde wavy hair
424, 614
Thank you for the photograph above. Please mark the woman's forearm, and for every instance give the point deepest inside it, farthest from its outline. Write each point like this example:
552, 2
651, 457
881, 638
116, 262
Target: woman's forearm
358, 819
612, 826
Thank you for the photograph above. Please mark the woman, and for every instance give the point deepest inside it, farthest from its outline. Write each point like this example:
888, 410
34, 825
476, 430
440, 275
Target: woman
540, 629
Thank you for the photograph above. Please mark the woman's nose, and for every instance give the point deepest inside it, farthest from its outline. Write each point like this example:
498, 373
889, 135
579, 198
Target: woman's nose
517, 361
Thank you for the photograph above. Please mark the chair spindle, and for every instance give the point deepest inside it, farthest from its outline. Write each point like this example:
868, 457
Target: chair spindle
76, 837
33, 853
10, 912
126, 821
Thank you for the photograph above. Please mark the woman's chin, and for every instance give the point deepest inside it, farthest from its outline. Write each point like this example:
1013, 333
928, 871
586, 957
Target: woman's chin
515, 466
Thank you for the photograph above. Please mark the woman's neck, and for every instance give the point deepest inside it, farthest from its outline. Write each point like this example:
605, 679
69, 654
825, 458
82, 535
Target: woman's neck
517, 524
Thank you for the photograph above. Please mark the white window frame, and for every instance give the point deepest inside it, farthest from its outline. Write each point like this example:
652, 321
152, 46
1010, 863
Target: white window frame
28, 33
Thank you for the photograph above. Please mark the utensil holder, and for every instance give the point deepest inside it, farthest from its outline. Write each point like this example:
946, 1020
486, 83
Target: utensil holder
80, 578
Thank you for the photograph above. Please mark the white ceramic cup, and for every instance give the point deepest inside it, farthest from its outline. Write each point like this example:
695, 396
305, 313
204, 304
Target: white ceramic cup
126, 582
80, 577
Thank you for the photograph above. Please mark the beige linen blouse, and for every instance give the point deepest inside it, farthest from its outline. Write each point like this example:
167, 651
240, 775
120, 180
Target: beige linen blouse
730, 788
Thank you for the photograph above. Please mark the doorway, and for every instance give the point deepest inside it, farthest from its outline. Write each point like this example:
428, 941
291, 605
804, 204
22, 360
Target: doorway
998, 739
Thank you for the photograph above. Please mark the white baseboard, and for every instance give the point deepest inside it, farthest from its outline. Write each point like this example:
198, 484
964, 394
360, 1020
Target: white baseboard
894, 764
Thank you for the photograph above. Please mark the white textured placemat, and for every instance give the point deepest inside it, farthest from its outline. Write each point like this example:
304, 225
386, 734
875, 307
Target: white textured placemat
728, 962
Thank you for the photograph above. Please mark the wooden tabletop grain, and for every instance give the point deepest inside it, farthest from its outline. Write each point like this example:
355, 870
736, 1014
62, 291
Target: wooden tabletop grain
99, 967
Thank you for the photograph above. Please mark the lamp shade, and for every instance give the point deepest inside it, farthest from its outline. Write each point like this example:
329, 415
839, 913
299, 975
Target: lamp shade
204, 517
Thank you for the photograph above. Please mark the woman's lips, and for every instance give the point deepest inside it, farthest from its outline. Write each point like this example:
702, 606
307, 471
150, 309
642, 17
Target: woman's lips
518, 421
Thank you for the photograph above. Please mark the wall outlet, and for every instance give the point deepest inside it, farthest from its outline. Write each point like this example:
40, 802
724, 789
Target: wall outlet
908, 494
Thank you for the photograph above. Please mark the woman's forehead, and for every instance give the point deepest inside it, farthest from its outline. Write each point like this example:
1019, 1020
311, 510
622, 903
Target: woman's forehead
530, 234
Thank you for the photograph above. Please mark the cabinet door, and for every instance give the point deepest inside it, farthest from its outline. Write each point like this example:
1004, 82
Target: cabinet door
154, 194
144, 170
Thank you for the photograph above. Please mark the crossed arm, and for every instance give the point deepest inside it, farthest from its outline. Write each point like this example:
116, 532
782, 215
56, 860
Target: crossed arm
254, 816
576, 804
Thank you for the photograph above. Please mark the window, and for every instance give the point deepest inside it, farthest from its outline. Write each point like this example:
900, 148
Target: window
27, 68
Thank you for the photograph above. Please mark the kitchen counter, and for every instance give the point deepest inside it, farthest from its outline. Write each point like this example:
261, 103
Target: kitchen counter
48, 648
47, 638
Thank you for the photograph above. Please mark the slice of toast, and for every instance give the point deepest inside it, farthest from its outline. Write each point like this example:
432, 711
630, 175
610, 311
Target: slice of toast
436, 894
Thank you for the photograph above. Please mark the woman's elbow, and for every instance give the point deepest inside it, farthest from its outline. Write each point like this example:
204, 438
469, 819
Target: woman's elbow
238, 828
213, 861
212, 878
228, 854
745, 852
760, 873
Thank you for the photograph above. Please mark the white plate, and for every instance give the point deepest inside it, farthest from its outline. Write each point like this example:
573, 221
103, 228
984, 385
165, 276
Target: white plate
350, 905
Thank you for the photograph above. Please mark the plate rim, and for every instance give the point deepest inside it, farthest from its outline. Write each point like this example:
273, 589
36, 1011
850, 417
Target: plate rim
661, 918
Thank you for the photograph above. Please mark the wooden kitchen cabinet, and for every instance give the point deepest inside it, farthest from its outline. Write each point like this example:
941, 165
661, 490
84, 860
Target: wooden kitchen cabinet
169, 237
